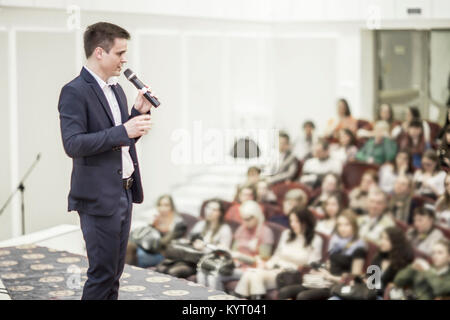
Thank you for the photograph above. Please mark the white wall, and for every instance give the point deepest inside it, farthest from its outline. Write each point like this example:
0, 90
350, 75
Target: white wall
215, 70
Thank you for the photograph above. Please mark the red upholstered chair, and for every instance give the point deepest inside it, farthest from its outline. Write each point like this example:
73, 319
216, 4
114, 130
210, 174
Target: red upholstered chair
364, 124
280, 190
352, 173
271, 210
190, 221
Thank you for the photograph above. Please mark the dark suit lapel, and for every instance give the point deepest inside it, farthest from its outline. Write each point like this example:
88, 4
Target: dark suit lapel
99, 92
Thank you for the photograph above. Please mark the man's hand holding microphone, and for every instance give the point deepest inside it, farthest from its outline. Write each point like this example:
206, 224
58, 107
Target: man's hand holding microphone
140, 125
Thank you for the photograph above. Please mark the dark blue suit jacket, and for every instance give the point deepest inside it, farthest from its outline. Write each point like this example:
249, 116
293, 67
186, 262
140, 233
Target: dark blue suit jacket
92, 140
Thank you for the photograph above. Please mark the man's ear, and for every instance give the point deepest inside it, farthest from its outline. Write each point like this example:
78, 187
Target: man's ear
98, 53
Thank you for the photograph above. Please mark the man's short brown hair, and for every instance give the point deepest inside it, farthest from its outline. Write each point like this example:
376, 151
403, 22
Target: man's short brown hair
102, 34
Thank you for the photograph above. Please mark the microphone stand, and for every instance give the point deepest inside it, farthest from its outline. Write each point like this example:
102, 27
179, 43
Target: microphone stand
21, 188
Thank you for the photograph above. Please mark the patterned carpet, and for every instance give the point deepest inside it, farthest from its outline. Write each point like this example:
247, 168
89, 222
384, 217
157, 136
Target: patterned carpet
31, 272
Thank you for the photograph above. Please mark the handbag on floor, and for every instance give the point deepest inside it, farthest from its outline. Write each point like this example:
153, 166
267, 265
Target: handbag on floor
218, 261
356, 291
179, 250
147, 238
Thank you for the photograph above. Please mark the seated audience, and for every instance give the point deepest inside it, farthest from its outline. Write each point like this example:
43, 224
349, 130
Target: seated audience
292, 198
425, 282
303, 145
429, 181
331, 209
443, 205
380, 148
424, 233
298, 246
253, 176
287, 165
385, 113
377, 219
388, 172
346, 255
252, 241
314, 169
170, 226
414, 141
358, 196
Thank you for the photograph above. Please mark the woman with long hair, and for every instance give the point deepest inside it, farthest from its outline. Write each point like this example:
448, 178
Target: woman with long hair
429, 180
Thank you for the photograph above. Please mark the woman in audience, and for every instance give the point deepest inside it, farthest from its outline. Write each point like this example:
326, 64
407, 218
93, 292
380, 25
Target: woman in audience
443, 205
424, 233
346, 149
413, 140
358, 196
413, 114
252, 242
245, 192
332, 207
298, 246
331, 183
394, 253
292, 198
428, 282
429, 181
169, 224
346, 255
380, 148
389, 172
343, 121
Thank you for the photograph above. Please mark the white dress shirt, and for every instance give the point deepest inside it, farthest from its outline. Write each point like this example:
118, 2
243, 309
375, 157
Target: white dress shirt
127, 162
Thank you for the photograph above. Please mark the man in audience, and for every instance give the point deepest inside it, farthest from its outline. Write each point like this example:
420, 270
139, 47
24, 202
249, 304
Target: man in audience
377, 219
379, 149
317, 167
424, 234
401, 203
303, 145
287, 165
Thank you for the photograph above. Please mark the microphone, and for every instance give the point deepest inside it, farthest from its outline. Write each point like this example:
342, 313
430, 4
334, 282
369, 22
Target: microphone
130, 75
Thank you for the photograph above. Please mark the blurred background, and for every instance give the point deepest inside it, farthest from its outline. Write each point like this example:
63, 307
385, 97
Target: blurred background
227, 64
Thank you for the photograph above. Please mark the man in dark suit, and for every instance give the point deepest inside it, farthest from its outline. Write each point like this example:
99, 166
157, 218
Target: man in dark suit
99, 135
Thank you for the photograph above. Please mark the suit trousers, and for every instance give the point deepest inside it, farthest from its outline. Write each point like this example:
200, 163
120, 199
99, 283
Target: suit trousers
106, 240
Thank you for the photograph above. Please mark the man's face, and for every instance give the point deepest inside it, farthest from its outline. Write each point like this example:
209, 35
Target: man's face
283, 144
308, 130
376, 204
440, 255
111, 63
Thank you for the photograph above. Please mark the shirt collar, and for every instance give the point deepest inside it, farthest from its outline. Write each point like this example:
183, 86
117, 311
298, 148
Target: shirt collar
101, 83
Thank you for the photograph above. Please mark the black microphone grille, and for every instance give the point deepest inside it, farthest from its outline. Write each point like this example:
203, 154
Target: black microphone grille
128, 73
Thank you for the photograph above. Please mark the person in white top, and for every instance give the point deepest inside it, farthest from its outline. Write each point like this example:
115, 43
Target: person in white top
304, 143
315, 168
332, 207
429, 181
298, 246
